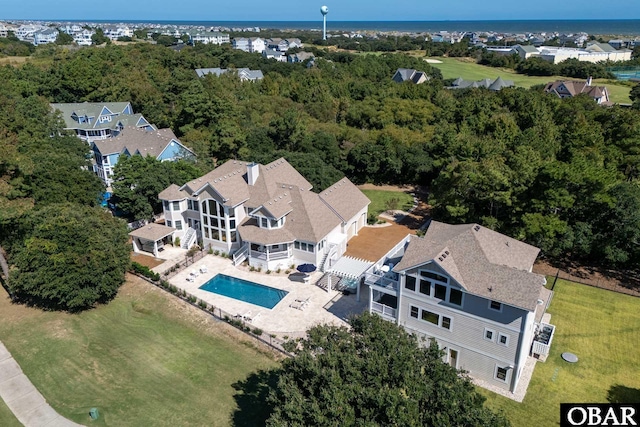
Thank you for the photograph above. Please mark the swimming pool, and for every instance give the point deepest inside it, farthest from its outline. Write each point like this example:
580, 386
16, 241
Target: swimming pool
244, 290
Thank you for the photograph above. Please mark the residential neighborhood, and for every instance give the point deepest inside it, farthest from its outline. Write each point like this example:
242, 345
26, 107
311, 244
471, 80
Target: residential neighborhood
390, 223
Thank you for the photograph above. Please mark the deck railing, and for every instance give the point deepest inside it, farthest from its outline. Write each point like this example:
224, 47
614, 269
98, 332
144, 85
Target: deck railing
542, 339
271, 256
372, 279
384, 310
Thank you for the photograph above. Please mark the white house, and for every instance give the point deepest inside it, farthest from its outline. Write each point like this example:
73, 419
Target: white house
209, 38
46, 36
265, 214
256, 44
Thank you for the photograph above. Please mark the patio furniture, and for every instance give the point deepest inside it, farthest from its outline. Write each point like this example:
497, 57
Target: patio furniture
299, 304
203, 270
190, 278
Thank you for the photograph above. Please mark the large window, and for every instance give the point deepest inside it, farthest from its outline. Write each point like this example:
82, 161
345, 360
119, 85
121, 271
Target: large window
410, 283
430, 317
307, 247
176, 206
192, 205
414, 312
219, 223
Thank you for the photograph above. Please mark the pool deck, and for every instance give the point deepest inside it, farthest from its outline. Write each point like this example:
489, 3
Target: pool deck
282, 320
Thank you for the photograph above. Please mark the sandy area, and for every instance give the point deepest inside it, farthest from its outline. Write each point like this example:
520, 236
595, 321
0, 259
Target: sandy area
433, 61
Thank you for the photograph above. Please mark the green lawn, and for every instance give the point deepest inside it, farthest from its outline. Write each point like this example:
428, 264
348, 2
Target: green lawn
6, 416
383, 200
602, 328
144, 359
452, 68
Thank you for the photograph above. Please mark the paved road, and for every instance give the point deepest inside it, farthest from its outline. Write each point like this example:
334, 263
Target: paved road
24, 400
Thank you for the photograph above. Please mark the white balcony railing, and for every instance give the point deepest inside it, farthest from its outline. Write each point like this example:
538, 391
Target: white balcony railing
270, 256
384, 310
372, 279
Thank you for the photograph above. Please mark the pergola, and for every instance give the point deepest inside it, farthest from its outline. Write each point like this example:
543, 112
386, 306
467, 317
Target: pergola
150, 238
351, 268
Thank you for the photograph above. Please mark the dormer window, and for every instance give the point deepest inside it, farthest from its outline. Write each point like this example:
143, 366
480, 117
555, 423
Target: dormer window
269, 223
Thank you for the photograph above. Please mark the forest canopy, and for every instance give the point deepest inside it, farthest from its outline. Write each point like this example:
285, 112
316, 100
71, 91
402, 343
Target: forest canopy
559, 174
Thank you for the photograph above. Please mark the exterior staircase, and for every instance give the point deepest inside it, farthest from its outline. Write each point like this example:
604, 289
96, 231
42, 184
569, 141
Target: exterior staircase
189, 238
241, 254
330, 252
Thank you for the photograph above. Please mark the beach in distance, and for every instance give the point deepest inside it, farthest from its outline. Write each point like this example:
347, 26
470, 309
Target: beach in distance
626, 27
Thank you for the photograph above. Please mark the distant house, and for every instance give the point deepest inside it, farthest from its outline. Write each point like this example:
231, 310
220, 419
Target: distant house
256, 44
209, 38
570, 88
497, 84
282, 45
114, 32
274, 54
46, 36
240, 43
26, 32
525, 51
410, 75
471, 290
91, 120
83, 37
300, 57
244, 74
161, 144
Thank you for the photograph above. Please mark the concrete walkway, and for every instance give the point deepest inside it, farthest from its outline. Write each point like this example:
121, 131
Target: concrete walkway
24, 400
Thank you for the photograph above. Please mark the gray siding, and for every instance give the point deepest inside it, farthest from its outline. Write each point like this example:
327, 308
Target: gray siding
466, 331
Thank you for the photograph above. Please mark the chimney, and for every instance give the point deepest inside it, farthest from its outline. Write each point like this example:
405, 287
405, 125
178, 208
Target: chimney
252, 173
589, 80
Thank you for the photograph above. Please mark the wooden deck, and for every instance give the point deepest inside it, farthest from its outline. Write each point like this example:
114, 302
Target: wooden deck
372, 243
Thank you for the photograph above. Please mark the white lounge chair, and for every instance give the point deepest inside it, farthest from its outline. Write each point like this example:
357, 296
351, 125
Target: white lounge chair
203, 270
190, 278
194, 273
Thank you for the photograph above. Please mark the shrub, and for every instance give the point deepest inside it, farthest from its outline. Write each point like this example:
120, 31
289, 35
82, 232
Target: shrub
191, 299
268, 271
173, 289
216, 252
210, 251
176, 241
287, 272
176, 267
252, 268
164, 284
278, 270
257, 331
144, 271
259, 269
202, 304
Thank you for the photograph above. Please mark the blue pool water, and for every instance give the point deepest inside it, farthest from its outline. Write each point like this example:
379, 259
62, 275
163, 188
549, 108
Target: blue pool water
243, 290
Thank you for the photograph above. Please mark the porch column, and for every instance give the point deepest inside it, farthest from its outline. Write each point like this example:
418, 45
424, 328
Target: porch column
370, 298
155, 248
135, 245
358, 289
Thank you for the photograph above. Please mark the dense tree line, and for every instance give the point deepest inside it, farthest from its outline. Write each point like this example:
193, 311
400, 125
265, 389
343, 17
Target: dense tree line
559, 174
372, 373
58, 249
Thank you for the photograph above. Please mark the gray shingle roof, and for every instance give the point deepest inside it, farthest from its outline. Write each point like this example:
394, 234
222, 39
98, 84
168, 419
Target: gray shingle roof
345, 199
482, 261
279, 190
91, 109
153, 232
137, 141
173, 192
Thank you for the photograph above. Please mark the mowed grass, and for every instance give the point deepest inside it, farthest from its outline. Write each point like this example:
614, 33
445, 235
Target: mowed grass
145, 359
7, 419
452, 68
602, 328
382, 200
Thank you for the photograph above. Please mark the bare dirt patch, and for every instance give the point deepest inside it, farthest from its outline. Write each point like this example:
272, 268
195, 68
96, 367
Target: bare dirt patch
146, 260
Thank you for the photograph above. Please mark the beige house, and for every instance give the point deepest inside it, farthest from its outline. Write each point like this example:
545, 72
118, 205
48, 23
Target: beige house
266, 214
570, 88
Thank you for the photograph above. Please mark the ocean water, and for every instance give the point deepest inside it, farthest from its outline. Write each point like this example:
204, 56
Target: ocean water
626, 27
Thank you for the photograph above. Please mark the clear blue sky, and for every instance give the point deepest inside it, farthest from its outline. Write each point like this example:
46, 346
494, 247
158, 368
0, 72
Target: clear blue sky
304, 10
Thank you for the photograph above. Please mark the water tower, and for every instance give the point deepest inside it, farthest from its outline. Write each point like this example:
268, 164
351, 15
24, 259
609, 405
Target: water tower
324, 10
